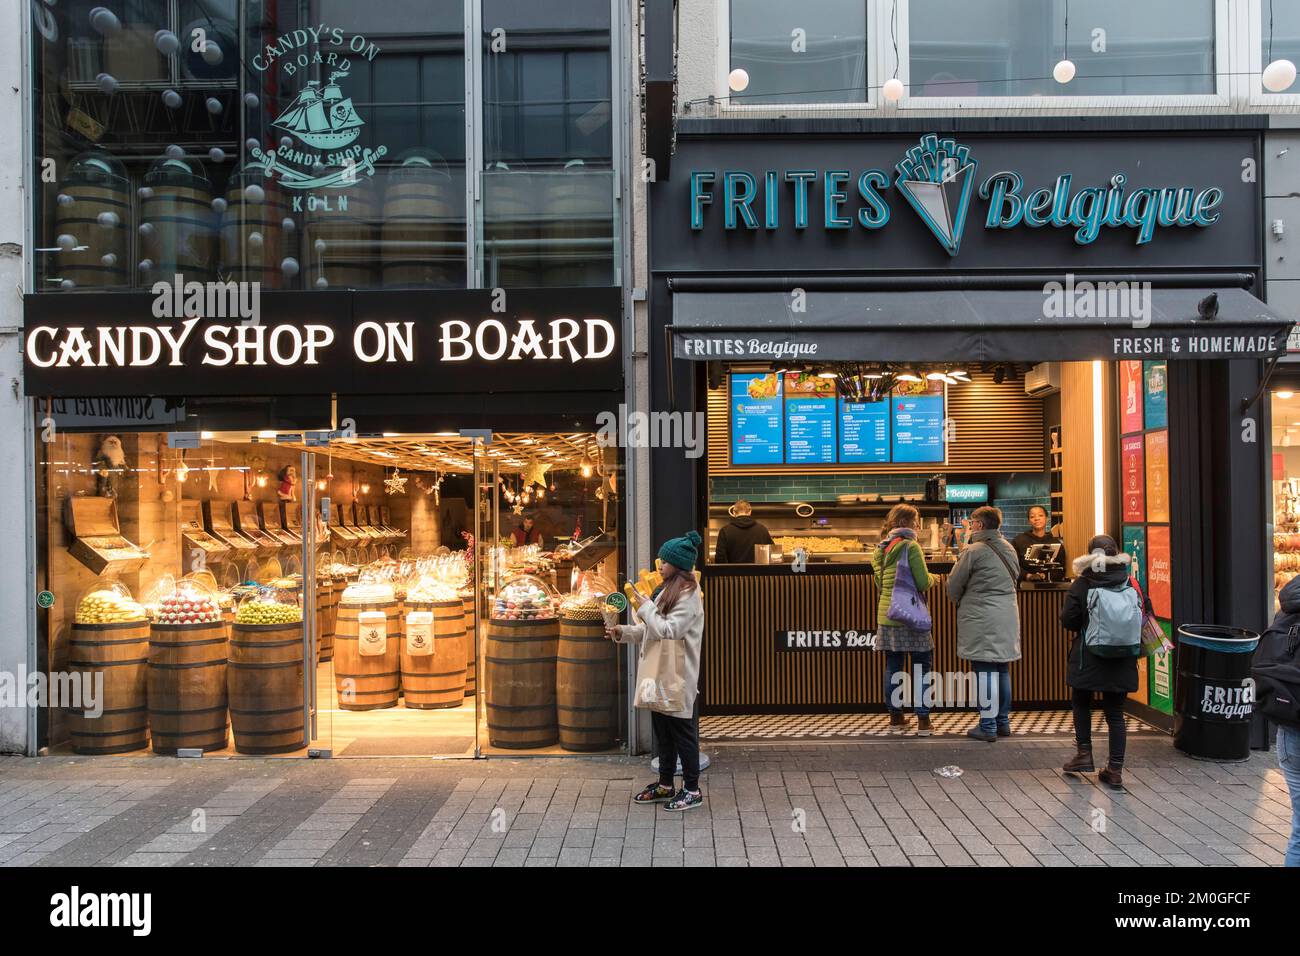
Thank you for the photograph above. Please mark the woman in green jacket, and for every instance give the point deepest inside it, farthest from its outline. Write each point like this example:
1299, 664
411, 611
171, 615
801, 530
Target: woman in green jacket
895, 638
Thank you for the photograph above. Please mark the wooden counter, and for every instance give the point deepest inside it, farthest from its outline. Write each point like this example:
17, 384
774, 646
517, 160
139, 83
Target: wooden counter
746, 606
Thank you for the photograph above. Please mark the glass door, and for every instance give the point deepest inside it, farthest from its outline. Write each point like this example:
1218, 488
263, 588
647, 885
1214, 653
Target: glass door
317, 605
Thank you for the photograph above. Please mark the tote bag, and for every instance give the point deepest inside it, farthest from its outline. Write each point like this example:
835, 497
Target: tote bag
661, 677
905, 602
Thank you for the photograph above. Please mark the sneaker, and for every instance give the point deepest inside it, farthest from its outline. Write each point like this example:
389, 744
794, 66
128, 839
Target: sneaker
923, 728
685, 800
655, 793
978, 734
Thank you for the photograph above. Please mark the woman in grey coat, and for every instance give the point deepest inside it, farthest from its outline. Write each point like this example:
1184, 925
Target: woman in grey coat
983, 586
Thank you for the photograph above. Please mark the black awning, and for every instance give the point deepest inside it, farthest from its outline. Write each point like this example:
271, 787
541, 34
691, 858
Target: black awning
1059, 322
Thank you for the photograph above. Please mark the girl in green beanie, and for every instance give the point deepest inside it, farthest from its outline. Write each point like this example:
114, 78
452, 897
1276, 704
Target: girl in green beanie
675, 612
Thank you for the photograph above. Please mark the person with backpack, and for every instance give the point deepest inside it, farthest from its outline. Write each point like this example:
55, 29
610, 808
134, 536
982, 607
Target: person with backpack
1277, 686
902, 619
1104, 608
983, 585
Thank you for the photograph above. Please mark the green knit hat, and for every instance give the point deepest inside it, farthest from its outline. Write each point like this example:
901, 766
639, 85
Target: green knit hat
682, 552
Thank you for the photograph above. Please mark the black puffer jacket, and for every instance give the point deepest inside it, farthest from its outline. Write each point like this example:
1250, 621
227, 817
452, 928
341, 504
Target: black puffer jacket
736, 541
1087, 671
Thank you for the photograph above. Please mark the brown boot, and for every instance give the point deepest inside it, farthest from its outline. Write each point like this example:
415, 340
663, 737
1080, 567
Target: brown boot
1081, 762
897, 722
923, 728
1112, 777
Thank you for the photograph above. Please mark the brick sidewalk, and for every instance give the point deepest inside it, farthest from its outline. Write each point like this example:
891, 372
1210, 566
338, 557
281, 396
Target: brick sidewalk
868, 804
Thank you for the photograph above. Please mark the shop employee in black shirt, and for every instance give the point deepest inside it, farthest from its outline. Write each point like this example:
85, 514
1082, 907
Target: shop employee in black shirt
736, 540
1038, 534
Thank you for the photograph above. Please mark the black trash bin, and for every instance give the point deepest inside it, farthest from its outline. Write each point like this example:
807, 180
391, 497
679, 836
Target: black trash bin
1214, 696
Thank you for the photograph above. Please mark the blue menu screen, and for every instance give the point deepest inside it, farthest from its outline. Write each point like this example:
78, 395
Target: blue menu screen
756, 419
810, 431
917, 427
864, 432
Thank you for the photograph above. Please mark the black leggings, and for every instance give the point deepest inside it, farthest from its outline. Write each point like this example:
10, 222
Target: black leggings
677, 737
1112, 705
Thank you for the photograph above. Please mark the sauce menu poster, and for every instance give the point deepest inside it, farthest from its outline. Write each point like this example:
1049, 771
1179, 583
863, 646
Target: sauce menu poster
756, 419
1159, 572
1130, 397
917, 423
864, 432
1133, 477
1135, 546
809, 431
1155, 394
1157, 459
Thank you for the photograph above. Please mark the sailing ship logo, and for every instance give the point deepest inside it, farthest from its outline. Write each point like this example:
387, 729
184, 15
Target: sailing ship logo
326, 122
937, 178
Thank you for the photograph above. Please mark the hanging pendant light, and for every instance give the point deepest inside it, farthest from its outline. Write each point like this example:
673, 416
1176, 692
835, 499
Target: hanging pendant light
1064, 70
738, 80
893, 90
1278, 76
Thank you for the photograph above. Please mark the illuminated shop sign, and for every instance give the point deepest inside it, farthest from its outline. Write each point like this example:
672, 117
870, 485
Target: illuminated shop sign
937, 179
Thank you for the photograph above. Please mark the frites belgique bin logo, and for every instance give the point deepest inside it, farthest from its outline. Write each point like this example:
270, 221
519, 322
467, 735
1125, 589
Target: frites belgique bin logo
318, 131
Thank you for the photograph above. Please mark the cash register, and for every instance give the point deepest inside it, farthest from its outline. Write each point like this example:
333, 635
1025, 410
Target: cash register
1041, 563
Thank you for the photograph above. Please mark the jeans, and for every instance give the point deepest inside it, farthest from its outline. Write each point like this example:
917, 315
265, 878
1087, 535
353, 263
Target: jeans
993, 685
1112, 705
677, 737
896, 663
1288, 758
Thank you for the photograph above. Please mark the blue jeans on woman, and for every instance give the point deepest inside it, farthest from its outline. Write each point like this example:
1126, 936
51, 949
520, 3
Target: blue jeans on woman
896, 663
1288, 758
993, 678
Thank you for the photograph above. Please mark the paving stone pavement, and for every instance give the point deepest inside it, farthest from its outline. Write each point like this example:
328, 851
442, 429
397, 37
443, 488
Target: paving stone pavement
876, 803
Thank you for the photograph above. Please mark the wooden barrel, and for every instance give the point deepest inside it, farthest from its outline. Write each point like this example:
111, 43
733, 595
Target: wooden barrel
265, 677
511, 230
437, 680
325, 619
120, 652
340, 233
178, 226
254, 242
580, 212
519, 659
187, 686
367, 682
471, 636
586, 686
94, 208
423, 235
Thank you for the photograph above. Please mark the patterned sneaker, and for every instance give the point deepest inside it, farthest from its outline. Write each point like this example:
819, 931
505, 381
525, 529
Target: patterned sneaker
655, 793
685, 800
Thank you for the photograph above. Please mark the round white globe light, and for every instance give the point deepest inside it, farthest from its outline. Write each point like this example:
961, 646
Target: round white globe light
738, 80
893, 90
1278, 76
1063, 72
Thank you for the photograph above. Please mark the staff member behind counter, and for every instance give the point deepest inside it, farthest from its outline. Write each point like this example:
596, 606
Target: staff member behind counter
737, 539
1038, 534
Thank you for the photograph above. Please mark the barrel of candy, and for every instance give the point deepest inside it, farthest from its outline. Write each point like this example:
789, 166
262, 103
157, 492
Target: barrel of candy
91, 218
519, 658
187, 686
367, 649
341, 238
120, 653
265, 677
424, 225
578, 231
1214, 696
471, 637
586, 686
257, 233
433, 655
325, 618
178, 226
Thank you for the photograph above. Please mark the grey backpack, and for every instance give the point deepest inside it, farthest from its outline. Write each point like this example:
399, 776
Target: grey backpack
1114, 622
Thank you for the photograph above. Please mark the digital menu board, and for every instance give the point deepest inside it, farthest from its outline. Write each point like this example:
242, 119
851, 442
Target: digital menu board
864, 432
917, 424
756, 419
810, 430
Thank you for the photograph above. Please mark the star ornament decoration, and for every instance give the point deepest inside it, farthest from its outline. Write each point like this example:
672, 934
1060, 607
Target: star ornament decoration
395, 484
534, 472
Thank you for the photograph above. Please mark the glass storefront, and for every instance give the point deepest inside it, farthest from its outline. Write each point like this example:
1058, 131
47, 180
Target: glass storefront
323, 144
421, 594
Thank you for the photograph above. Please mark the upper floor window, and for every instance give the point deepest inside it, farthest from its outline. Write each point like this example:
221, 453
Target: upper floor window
811, 51
959, 48
1280, 35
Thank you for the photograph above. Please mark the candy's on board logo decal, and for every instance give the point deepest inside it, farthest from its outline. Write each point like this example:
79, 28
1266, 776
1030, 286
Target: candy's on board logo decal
937, 178
317, 132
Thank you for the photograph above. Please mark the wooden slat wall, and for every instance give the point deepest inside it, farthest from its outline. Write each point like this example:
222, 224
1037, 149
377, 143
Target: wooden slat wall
995, 428
743, 673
